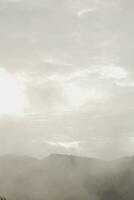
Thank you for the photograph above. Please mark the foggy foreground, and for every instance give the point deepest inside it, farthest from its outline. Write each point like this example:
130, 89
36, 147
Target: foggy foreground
62, 177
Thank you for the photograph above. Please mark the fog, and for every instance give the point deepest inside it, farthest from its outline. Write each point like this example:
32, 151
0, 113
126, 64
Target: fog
65, 177
66, 99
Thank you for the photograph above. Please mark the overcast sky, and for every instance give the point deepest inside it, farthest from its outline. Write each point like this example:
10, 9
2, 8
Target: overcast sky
67, 77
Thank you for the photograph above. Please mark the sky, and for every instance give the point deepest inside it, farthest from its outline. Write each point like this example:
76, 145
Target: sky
67, 77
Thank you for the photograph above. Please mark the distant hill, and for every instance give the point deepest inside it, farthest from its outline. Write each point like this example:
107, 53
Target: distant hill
63, 177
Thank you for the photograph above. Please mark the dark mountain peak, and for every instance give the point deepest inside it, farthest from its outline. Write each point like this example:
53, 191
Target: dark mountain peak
70, 161
61, 156
69, 156
60, 176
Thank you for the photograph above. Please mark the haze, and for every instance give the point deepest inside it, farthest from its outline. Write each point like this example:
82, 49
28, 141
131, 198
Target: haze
67, 77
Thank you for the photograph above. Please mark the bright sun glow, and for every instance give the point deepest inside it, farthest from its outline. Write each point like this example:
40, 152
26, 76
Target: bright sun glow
12, 97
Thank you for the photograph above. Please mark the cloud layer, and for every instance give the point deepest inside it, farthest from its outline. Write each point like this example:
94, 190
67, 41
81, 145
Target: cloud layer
74, 61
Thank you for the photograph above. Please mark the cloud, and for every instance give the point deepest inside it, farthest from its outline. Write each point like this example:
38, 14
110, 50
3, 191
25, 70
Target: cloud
12, 1
67, 91
81, 8
113, 72
105, 72
85, 11
77, 73
66, 145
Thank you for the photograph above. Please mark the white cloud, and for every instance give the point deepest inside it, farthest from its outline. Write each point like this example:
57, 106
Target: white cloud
114, 72
109, 72
74, 75
84, 11
13, 1
66, 144
79, 94
54, 61
125, 83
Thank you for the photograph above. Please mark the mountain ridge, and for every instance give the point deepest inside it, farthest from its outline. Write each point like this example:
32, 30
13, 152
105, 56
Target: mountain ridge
66, 177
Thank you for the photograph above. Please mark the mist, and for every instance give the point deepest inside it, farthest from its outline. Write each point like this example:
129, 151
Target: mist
66, 99
66, 177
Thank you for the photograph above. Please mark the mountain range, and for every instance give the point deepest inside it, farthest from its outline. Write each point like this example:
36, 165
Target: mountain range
66, 177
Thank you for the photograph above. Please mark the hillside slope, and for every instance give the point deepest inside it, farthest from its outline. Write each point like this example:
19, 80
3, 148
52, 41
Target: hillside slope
62, 177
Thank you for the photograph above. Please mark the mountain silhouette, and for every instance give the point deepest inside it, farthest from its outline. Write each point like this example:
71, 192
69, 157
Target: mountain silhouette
66, 177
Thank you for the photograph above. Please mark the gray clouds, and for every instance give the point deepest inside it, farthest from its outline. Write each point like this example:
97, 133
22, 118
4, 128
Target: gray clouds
75, 61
